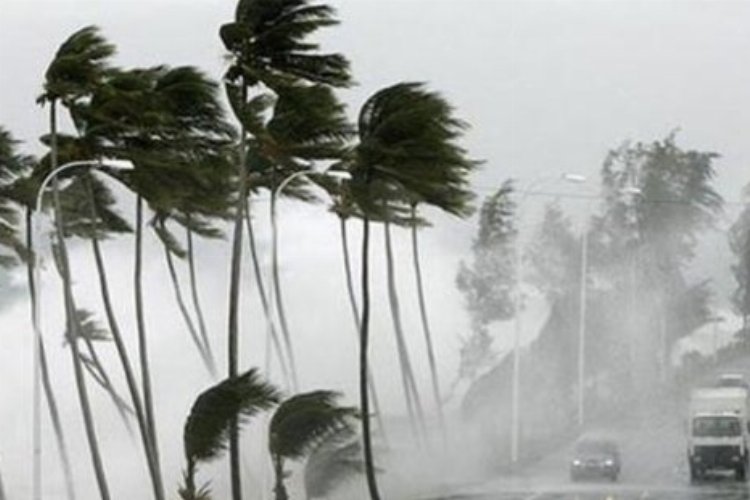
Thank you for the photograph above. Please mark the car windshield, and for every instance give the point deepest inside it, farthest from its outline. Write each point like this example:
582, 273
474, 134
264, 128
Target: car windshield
716, 426
596, 448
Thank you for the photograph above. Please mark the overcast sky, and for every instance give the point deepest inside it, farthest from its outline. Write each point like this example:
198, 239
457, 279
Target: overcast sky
547, 86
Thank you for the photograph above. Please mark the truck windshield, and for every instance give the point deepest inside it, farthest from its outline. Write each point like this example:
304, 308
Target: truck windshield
716, 427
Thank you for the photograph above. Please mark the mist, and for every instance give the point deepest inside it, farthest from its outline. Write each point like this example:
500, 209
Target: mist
547, 88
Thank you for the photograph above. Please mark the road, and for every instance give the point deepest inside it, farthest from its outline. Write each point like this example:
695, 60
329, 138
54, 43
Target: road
654, 468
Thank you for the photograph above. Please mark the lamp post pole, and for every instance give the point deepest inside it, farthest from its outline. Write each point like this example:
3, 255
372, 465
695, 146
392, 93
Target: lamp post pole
582, 326
516, 377
36, 319
274, 291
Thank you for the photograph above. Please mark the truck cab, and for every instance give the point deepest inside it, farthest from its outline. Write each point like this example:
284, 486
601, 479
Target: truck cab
718, 432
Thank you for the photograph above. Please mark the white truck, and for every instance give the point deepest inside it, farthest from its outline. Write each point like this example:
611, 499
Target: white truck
718, 431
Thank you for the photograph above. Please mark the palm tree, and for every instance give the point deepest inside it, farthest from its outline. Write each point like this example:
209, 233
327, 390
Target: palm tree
404, 132
207, 429
299, 425
78, 67
268, 43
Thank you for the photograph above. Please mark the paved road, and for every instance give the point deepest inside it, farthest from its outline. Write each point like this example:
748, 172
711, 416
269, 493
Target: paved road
654, 468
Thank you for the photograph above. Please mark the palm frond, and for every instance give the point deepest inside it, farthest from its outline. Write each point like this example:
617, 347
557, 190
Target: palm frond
269, 42
303, 420
207, 427
408, 137
78, 65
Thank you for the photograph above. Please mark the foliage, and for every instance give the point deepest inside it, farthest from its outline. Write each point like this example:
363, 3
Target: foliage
554, 255
488, 283
739, 242
206, 432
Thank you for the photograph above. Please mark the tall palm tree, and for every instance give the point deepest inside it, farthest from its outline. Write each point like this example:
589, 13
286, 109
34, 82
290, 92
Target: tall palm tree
77, 68
404, 132
207, 428
167, 121
269, 44
299, 425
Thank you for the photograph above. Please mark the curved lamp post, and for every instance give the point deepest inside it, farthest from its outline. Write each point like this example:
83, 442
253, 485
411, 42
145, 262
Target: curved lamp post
516, 377
36, 315
336, 174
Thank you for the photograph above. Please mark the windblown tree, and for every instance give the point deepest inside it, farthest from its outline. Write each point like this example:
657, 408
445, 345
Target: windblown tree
739, 242
270, 48
554, 255
404, 132
76, 70
299, 425
169, 124
489, 281
207, 429
658, 199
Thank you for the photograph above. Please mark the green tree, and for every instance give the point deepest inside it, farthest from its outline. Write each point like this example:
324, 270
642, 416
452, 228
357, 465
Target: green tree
488, 283
78, 67
214, 412
404, 131
658, 198
739, 242
554, 255
268, 44
299, 425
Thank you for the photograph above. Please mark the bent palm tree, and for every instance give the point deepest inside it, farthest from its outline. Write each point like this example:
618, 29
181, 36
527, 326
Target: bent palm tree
77, 68
404, 132
299, 425
207, 429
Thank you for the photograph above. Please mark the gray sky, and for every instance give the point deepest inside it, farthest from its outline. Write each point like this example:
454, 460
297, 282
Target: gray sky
547, 86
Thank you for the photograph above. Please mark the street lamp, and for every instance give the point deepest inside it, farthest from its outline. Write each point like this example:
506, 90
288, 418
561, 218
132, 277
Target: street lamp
275, 299
516, 377
36, 313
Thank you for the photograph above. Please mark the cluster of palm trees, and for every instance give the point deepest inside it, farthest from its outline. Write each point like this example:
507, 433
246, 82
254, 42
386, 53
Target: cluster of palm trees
195, 171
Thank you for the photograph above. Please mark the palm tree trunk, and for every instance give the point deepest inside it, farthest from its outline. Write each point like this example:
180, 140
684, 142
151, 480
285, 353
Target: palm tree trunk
207, 361
277, 293
264, 298
234, 298
364, 334
425, 322
196, 300
357, 322
46, 382
148, 401
70, 313
279, 489
414, 405
156, 479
